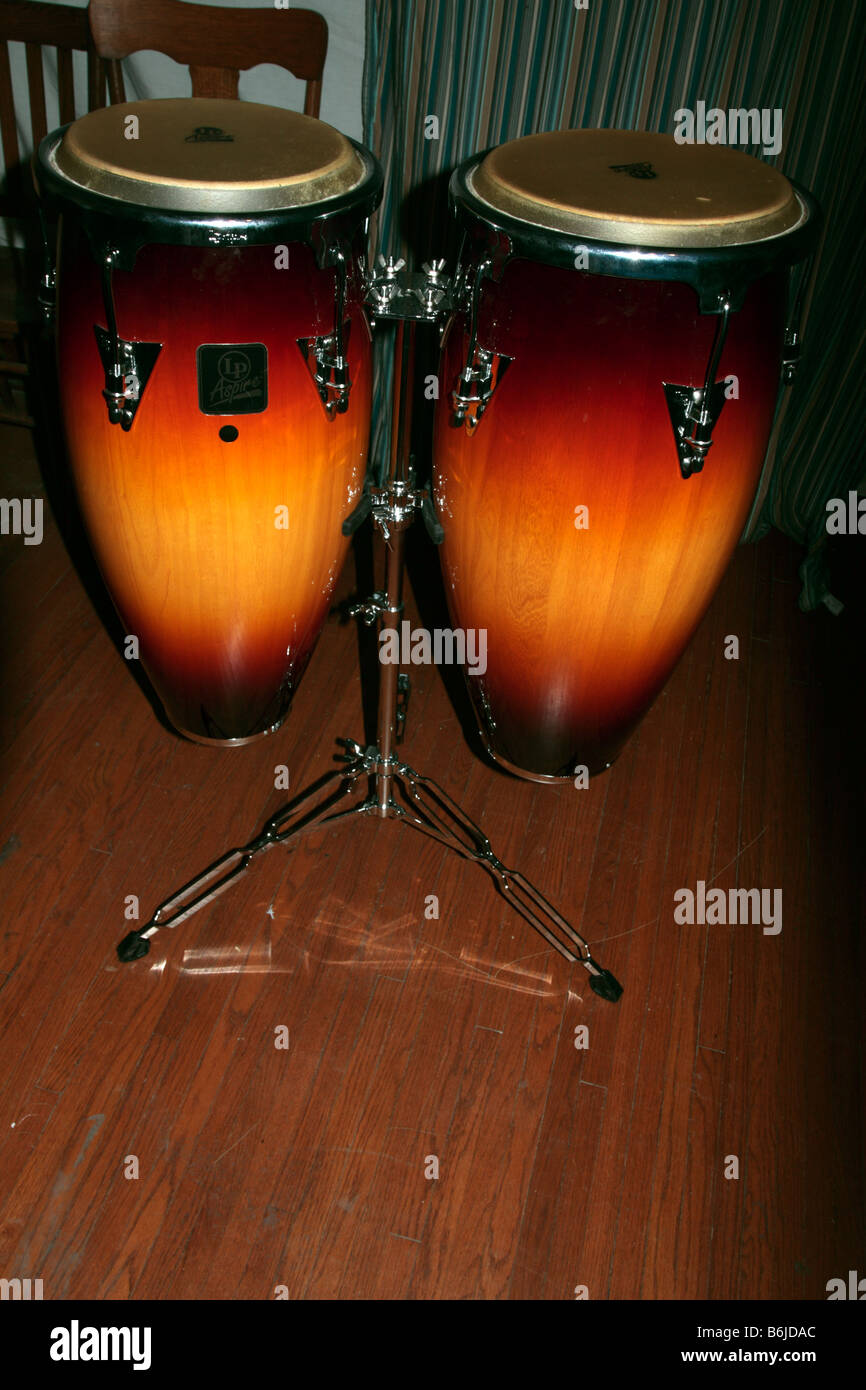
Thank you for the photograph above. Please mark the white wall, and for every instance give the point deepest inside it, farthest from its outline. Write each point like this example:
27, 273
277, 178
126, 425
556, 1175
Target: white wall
153, 75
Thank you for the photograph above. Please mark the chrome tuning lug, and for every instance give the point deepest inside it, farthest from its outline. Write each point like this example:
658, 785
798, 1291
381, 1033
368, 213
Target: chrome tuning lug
127, 365
461, 289
791, 345
325, 353
325, 357
484, 368
47, 294
474, 387
694, 410
693, 415
790, 355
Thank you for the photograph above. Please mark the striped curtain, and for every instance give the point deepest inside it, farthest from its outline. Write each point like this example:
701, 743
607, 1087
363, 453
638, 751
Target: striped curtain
493, 70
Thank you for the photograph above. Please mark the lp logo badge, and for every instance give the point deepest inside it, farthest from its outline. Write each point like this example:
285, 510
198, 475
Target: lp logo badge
232, 378
234, 366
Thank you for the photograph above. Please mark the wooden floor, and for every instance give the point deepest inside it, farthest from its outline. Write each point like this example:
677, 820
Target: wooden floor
413, 1039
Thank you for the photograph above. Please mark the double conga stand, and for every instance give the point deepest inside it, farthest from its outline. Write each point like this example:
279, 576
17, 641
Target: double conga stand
393, 789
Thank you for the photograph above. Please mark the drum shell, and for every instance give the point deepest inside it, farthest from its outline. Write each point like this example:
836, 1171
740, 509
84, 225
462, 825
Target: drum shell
225, 598
584, 625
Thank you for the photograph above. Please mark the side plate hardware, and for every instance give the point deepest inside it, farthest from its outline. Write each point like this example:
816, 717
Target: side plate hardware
127, 368
325, 357
695, 410
127, 365
483, 369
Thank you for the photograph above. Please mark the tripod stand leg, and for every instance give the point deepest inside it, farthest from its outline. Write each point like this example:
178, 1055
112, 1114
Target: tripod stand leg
220, 875
446, 825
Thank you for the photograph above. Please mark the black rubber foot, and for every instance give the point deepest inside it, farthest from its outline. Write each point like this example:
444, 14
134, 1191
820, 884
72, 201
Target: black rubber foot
133, 947
606, 986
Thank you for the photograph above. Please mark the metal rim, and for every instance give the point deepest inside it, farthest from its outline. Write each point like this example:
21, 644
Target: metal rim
149, 224
713, 272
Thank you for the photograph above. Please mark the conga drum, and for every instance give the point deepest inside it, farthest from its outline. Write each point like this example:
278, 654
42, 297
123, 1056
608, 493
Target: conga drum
608, 387
215, 385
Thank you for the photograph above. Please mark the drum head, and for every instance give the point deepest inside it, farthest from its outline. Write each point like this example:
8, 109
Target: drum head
208, 155
636, 188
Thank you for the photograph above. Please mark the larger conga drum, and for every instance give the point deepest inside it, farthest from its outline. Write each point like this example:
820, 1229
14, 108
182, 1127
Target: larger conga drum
215, 385
608, 388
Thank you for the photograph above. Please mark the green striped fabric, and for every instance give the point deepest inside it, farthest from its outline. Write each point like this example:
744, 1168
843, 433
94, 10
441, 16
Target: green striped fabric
493, 70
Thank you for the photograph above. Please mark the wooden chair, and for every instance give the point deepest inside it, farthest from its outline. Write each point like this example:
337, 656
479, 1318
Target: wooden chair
37, 26
216, 44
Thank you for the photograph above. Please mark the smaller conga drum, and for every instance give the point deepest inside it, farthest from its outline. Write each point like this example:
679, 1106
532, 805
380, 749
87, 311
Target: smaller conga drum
215, 385
608, 387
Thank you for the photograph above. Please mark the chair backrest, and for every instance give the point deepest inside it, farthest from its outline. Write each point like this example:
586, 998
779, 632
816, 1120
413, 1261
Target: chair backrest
38, 26
215, 43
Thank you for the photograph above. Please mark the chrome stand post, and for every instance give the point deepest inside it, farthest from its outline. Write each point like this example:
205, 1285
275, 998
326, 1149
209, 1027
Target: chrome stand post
422, 804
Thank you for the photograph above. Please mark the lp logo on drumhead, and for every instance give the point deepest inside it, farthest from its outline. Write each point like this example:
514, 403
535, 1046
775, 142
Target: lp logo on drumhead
206, 134
232, 378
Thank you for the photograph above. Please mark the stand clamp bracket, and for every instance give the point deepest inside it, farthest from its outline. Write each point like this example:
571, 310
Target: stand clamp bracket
369, 609
394, 293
